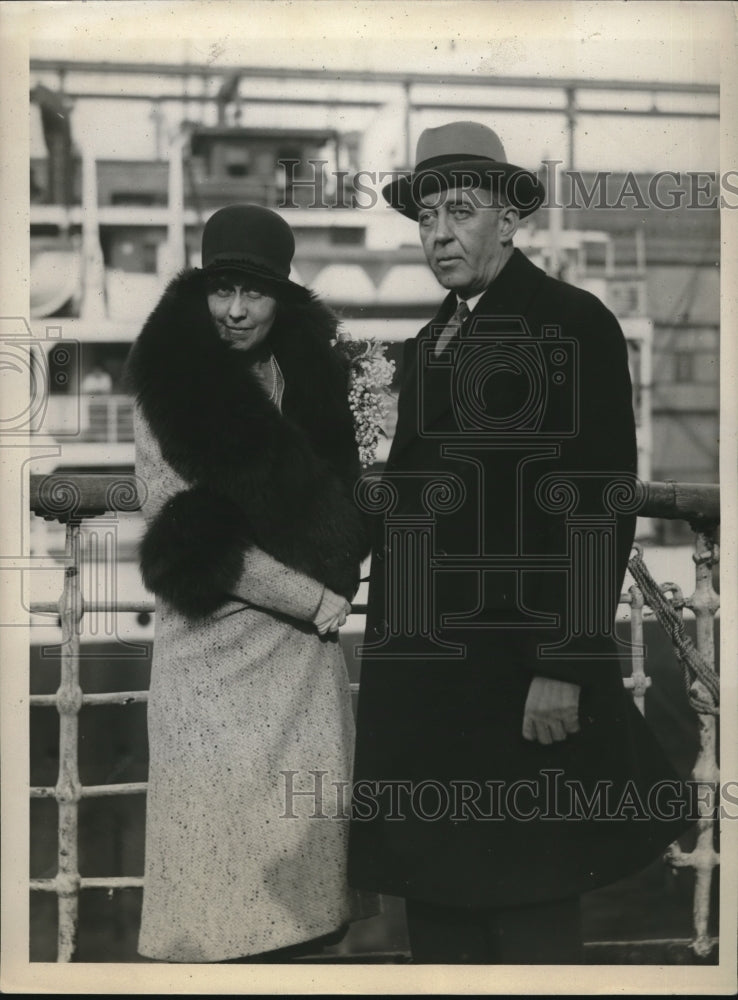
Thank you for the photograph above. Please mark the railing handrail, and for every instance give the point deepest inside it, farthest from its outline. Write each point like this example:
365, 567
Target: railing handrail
63, 497
103, 396
698, 503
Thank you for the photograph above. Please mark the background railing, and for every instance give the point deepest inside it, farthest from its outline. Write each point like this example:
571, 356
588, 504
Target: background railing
72, 499
101, 416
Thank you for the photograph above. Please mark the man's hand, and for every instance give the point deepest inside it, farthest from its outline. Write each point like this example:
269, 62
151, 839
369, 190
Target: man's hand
551, 710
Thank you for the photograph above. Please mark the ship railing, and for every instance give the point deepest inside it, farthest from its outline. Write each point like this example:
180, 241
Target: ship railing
73, 499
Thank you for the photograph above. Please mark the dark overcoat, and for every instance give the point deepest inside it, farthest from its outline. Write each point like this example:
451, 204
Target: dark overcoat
503, 527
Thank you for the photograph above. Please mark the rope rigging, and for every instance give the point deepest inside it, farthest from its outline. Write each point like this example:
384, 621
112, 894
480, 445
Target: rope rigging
696, 668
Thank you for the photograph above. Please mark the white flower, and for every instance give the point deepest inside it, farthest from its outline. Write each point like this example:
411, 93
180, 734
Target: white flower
370, 375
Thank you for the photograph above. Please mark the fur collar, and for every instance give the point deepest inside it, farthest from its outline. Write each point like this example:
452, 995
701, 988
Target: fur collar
282, 481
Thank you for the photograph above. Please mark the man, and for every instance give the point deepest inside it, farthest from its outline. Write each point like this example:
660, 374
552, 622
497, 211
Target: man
501, 770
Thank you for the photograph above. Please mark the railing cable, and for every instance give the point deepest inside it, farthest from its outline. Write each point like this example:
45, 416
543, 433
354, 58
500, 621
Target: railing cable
694, 664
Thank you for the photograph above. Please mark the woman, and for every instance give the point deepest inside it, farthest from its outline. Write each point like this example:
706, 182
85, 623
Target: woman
245, 443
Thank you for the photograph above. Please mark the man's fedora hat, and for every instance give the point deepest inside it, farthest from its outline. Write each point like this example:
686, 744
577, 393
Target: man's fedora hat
463, 154
254, 240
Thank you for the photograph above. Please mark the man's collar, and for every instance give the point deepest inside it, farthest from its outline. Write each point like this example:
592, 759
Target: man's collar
472, 300
509, 294
513, 288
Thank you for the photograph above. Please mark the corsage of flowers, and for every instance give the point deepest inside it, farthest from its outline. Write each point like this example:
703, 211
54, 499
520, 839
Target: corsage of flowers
370, 375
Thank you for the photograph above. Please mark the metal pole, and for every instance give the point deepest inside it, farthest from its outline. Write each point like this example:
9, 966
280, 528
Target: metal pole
704, 603
68, 787
571, 121
555, 227
93, 275
638, 682
175, 255
408, 111
157, 117
703, 858
646, 404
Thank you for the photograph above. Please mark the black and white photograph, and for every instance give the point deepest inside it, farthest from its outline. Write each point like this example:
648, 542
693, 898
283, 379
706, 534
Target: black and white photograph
368, 595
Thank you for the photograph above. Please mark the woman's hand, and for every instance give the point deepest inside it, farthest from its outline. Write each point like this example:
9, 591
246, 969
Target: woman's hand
332, 612
333, 624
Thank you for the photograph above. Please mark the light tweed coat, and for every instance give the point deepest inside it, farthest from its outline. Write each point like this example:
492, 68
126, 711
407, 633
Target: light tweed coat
235, 701
249, 514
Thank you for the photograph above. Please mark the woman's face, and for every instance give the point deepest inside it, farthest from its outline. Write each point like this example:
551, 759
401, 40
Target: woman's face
242, 315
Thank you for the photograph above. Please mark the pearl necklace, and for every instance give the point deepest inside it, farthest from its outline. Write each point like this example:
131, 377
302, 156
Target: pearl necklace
275, 377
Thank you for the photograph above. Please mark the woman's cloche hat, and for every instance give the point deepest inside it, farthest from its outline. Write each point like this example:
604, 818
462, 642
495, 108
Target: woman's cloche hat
462, 154
254, 240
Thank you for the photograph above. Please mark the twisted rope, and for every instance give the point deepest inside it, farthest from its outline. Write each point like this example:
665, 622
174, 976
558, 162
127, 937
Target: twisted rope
696, 667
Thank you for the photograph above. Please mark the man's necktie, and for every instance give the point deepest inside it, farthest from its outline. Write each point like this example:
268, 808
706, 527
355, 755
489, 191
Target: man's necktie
452, 327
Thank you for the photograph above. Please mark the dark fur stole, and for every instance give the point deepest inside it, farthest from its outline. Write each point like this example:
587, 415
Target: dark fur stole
280, 481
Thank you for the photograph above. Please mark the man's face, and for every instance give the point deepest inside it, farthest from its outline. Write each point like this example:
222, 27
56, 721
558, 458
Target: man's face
243, 316
464, 238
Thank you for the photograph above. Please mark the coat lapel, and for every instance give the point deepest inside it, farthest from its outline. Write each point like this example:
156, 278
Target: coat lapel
407, 418
509, 296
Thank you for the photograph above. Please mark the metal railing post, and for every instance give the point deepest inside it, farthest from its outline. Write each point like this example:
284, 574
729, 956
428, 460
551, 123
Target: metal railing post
68, 787
703, 858
639, 681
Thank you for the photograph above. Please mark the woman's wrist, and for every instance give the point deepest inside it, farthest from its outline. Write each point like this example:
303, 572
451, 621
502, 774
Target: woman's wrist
331, 604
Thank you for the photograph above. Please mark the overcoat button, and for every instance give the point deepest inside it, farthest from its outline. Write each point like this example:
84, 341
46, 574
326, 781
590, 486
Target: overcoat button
381, 627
